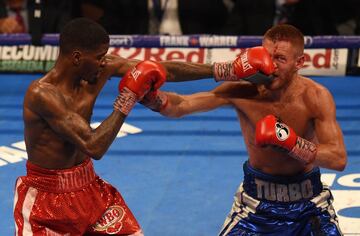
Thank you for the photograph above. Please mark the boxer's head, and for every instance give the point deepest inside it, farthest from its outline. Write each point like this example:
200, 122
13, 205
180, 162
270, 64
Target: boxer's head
285, 44
84, 42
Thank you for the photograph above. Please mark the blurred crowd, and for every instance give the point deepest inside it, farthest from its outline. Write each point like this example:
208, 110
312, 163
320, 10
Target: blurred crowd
225, 17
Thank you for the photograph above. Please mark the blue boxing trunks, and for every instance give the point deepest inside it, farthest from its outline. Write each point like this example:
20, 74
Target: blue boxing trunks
276, 205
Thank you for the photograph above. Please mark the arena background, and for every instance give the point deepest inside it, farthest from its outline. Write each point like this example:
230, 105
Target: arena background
179, 175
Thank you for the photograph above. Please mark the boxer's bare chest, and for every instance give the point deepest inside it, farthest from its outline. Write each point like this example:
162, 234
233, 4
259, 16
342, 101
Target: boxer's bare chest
291, 109
81, 103
293, 112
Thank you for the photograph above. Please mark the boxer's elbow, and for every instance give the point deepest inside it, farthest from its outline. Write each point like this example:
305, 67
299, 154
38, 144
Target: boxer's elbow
87, 145
342, 160
340, 166
339, 160
97, 156
332, 157
95, 151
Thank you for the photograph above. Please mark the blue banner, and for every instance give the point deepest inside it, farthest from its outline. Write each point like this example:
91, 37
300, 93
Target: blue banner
191, 41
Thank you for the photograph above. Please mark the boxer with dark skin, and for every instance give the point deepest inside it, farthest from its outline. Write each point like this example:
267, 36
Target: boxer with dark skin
58, 106
60, 143
290, 130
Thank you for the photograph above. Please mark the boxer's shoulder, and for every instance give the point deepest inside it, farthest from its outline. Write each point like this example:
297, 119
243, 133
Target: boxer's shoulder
311, 86
42, 91
45, 99
238, 89
316, 96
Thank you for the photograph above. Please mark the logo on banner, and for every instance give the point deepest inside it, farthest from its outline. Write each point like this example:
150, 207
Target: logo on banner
121, 41
308, 41
27, 58
218, 41
178, 41
325, 62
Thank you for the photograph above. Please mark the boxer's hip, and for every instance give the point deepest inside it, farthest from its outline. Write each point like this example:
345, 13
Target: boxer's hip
63, 180
273, 205
286, 189
73, 200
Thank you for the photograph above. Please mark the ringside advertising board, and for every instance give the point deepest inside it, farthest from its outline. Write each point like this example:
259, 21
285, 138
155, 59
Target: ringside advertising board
28, 58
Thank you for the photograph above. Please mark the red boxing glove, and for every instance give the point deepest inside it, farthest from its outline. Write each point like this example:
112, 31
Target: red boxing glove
156, 100
271, 131
138, 81
254, 65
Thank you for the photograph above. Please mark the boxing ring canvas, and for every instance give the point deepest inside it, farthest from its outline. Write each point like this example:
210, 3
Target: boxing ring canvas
178, 175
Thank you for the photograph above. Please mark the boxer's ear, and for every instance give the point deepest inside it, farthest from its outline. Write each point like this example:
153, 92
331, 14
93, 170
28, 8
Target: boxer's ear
300, 62
76, 57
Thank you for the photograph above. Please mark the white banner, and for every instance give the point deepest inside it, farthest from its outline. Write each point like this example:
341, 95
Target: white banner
40, 59
325, 62
330, 62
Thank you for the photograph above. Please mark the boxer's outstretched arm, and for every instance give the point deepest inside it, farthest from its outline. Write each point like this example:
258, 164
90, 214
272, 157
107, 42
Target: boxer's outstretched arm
251, 65
176, 71
331, 151
183, 71
181, 105
248, 64
49, 104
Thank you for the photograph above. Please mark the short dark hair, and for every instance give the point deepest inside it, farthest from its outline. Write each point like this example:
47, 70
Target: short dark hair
285, 32
82, 33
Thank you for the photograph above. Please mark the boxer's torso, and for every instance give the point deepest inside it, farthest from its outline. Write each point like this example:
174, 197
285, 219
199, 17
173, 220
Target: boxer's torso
45, 147
293, 108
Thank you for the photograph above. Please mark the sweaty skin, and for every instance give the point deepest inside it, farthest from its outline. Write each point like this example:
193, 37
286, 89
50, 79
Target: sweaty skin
299, 102
58, 107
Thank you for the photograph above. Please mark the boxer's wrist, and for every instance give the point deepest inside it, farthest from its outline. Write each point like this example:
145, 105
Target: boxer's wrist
304, 151
224, 71
125, 101
156, 100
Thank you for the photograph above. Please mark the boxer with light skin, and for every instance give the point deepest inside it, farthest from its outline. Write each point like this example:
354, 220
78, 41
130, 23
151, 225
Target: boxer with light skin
290, 130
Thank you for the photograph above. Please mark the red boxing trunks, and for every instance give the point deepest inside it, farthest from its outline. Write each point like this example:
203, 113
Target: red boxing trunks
70, 202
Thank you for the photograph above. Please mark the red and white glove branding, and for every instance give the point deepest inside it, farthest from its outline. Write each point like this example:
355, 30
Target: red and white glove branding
245, 65
125, 101
135, 73
137, 82
248, 64
282, 131
272, 131
224, 71
304, 151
